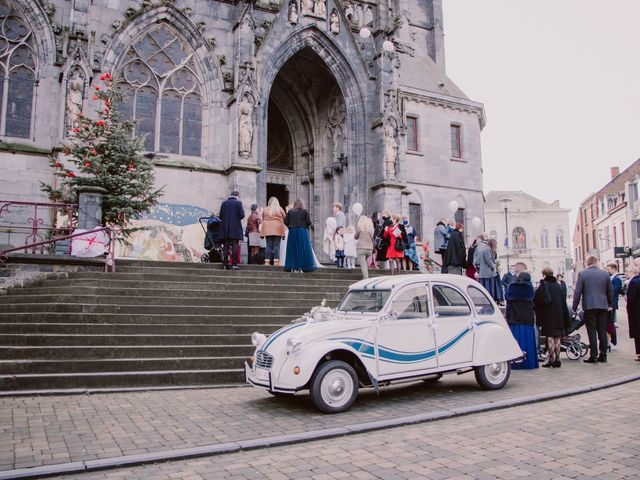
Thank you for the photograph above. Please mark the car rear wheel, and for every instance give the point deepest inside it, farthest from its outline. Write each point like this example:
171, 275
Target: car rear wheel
334, 387
494, 375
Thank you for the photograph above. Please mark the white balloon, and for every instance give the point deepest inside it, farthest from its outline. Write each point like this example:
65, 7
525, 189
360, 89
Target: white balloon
453, 206
357, 209
476, 222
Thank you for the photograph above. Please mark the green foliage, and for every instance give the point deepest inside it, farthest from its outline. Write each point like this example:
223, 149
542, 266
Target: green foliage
103, 152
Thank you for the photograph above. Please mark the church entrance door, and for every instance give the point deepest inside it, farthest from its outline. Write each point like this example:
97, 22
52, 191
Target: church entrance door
280, 192
306, 138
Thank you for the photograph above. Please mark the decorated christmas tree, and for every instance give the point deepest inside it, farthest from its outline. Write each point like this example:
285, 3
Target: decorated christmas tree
104, 152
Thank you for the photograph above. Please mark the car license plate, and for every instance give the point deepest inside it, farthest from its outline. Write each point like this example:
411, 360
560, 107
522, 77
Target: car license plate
262, 374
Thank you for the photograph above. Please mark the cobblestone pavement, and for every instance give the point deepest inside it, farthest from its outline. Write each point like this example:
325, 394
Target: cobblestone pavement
586, 437
37, 431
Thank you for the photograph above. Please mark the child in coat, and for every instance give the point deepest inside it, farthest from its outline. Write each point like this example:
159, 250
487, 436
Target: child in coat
338, 240
350, 247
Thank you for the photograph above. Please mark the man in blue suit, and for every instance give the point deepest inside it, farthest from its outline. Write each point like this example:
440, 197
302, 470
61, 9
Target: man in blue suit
616, 283
231, 214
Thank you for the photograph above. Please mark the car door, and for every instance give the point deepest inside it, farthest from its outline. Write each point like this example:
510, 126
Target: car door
453, 325
405, 342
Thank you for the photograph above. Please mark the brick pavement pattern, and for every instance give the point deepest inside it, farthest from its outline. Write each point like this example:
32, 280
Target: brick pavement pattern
37, 431
586, 437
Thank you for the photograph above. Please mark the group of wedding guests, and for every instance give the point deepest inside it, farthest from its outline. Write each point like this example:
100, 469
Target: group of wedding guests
383, 237
283, 235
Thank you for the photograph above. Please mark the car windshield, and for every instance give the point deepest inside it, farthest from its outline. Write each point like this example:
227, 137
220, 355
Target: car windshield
364, 301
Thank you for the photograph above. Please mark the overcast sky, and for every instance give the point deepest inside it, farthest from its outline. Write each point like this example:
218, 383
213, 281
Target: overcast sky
560, 82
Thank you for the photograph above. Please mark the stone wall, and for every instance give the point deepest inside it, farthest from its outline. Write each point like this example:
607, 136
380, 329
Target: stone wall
23, 270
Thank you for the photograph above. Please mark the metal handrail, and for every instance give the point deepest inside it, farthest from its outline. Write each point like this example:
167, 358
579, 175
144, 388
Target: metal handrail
34, 224
111, 257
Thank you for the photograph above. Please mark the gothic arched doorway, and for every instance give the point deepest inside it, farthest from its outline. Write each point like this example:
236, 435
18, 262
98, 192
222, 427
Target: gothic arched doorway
307, 147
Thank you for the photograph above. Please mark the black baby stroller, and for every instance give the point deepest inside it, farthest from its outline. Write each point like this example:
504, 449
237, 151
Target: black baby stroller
571, 343
212, 239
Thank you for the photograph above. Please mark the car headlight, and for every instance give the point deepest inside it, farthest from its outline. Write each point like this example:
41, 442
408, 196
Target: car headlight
293, 345
257, 339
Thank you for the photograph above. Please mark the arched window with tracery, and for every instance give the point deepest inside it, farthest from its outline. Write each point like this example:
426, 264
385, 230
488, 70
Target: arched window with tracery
163, 92
18, 63
519, 238
544, 238
559, 238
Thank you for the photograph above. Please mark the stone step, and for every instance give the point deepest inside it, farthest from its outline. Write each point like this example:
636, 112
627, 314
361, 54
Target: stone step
52, 339
352, 275
25, 367
247, 311
134, 328
317, 293
212, 300
125, 318
122, 379
228, 278
102, 352
182, 286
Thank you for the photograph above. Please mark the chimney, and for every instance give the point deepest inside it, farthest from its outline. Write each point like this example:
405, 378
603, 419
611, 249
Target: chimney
556, 203
615, 171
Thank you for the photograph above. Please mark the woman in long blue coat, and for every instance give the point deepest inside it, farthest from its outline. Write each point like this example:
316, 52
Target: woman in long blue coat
299, 255
521, 319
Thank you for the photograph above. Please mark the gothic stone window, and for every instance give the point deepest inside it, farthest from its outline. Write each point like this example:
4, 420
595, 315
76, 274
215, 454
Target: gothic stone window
162, 91
559, 238
17, 73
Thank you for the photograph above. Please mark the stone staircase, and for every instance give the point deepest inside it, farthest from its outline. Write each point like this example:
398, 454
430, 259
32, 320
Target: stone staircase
150, 324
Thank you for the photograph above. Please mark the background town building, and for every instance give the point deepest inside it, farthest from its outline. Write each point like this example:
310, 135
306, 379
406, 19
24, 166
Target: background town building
609, 218
318, 99
537, 231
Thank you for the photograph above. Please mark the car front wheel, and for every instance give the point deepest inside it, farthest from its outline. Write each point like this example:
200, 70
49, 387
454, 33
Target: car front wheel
493, 375
334, 387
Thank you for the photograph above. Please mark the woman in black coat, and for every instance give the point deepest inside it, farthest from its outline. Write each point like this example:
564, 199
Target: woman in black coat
552, 314
383, 244
633, 306
521, 319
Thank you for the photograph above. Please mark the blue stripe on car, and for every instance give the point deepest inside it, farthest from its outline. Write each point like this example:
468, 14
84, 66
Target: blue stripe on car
367, 349
280, 332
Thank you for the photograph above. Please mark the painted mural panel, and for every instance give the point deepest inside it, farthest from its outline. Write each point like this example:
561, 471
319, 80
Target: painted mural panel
170, 233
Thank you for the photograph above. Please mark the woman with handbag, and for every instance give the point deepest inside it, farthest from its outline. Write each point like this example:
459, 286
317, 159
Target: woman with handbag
398, 243
273, 230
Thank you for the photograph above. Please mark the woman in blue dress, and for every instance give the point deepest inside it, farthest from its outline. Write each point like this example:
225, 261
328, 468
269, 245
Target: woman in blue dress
521, 319
299, 256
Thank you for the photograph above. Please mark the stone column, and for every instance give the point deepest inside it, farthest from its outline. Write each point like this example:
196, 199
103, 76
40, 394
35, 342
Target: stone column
90, 207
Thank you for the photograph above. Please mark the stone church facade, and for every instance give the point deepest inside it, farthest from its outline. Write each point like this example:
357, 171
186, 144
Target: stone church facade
325, 100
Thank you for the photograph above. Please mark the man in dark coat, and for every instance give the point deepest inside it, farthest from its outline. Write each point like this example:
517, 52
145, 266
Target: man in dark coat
594, 288
633, 306
455, 257
231, 214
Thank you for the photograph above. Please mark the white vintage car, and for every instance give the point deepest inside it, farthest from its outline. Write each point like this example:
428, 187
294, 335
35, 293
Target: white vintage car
387, 330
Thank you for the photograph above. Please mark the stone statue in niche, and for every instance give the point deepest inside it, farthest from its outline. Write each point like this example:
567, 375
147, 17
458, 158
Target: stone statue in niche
245, 130
390, 152
348, 12
334, 22
293, 13
75, 96
368, 16
306, 6
320, 8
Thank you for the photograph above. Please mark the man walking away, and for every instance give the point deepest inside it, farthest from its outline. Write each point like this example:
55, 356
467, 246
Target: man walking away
616, 284
455, 257
231, 214
594, 289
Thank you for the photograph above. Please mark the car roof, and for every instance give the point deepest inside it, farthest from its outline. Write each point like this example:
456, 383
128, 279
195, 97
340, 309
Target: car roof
389, 282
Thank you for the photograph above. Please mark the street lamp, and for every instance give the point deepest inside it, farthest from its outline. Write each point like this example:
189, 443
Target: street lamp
505, 204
